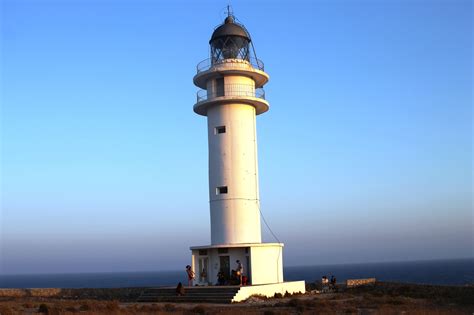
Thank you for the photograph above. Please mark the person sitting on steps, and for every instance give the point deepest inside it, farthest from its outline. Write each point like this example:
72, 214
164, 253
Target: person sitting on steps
220, 278
180, 289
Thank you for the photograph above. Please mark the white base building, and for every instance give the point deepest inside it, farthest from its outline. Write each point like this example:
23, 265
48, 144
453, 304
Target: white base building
263, 262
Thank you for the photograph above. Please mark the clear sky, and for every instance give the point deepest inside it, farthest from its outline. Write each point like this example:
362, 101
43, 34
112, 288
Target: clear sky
365, 154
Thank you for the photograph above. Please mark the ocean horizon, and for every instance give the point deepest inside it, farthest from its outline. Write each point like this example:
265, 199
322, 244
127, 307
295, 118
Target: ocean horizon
434, 272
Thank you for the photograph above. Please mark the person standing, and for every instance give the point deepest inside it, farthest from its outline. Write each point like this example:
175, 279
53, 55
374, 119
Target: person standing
325, 284
190, 274
240, 271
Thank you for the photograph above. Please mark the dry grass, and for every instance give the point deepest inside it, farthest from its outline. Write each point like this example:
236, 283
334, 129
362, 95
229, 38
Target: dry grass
300, 305
379, 299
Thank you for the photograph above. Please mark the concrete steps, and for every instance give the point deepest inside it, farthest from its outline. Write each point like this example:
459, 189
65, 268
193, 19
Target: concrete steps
192, 295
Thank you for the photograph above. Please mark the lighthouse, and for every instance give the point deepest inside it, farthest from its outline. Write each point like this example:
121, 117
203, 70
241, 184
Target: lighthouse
231, 96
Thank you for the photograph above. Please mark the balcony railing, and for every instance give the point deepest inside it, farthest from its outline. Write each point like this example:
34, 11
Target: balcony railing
235, 63
235, 90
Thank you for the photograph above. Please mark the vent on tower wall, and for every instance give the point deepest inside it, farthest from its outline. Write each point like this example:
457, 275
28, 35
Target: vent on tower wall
221, 190
220, 129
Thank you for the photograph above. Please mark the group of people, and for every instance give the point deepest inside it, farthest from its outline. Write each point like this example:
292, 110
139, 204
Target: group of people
327, 284
237, 276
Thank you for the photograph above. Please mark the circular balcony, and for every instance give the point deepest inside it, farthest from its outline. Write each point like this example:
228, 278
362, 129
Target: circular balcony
253, 68
206, 64
231, 93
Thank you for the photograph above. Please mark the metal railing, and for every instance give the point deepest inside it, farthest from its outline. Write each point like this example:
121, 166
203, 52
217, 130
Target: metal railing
236, 90
207, 64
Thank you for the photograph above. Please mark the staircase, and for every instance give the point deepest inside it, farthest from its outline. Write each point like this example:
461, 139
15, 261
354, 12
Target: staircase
217, 294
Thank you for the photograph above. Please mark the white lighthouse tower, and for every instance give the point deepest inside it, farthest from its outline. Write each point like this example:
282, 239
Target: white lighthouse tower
231, 97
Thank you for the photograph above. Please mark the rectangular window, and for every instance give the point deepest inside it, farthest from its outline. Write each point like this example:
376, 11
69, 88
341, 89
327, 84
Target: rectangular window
220, 129
221, 190
203, 252
222, 250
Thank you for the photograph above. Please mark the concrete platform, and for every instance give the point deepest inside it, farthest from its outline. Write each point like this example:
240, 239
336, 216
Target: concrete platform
219, 294
269, 290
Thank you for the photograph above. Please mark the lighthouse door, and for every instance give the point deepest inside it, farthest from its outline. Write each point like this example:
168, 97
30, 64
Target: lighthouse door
203, 270
225, 265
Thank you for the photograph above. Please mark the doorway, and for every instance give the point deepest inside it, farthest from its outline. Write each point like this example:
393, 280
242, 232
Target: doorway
203, 270
225, 265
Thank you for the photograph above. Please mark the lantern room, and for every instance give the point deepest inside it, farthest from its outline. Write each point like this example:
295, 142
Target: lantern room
230, 40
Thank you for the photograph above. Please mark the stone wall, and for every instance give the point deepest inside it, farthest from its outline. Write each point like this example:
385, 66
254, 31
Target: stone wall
359, 282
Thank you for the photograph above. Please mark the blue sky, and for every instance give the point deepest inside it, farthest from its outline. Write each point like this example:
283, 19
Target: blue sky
365, 154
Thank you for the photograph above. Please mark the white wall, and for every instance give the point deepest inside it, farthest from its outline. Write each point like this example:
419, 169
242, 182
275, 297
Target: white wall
235, 217
267, 264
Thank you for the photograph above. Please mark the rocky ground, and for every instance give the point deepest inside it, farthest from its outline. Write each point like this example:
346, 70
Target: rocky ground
382, 298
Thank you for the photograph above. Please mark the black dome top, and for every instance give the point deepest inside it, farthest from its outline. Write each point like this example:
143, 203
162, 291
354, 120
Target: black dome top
229, 28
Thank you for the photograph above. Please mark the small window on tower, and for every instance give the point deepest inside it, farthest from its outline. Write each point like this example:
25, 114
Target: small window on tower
221, 190
220, 129
220, 87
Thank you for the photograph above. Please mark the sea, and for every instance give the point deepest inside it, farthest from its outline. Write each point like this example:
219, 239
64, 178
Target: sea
439, 272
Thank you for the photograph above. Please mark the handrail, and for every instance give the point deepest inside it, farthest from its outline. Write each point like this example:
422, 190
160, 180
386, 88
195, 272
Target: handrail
244, 90
207, 64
